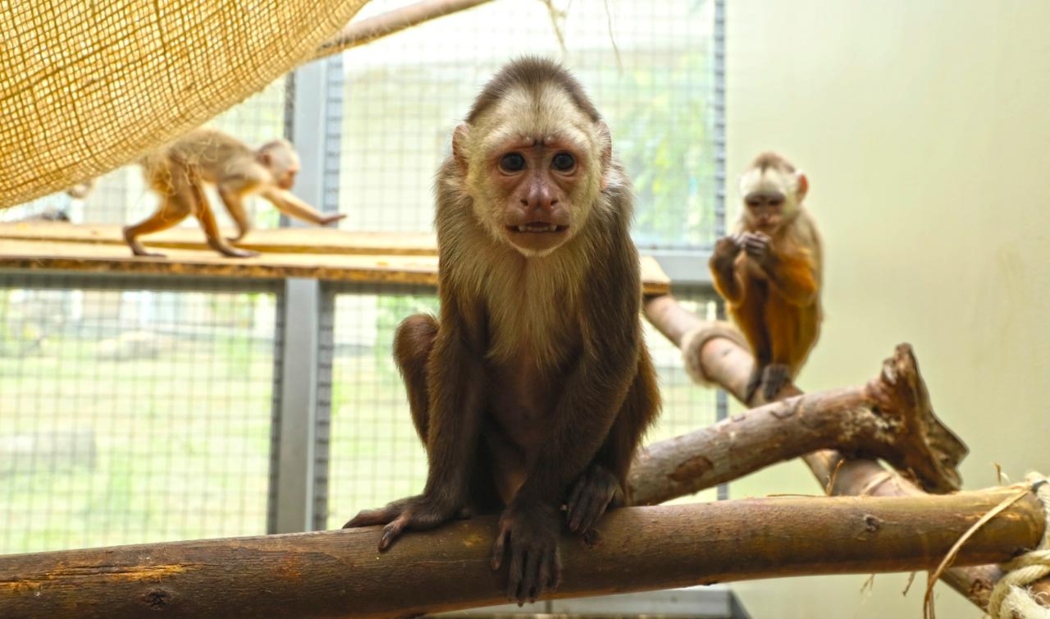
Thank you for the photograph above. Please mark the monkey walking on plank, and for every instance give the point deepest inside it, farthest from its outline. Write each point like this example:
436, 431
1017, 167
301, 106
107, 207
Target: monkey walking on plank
769, 272
176, 172
534, 386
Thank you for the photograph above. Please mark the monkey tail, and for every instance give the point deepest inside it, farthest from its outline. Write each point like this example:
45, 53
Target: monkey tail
693, 342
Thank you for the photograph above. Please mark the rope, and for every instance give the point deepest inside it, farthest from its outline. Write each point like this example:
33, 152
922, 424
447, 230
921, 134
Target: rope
1012, 596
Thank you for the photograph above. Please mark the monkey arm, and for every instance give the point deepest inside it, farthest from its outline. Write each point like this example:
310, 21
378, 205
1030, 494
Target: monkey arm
235, 207
290, 205
727, 278
793, 276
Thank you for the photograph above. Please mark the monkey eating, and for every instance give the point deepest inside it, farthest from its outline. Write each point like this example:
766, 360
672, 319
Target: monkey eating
534, 386
176, 173
770, 273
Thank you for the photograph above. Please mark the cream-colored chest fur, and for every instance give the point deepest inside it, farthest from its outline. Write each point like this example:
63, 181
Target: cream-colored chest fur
533, 317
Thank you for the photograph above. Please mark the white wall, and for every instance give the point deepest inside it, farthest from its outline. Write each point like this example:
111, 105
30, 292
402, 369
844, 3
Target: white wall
924, 127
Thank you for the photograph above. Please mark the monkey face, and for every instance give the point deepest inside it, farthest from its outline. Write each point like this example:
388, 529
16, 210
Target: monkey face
536, 181
771, 197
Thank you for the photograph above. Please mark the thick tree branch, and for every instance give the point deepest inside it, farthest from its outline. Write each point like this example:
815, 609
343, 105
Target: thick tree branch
726, 363
340, 574
890, 418
367, 30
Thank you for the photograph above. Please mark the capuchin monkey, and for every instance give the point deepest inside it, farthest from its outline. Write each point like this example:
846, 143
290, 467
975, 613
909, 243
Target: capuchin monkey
533, 387
176, 172
769, 271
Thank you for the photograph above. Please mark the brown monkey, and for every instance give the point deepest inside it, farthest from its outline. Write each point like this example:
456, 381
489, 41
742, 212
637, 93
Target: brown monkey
177, 170
770, 270
534, 386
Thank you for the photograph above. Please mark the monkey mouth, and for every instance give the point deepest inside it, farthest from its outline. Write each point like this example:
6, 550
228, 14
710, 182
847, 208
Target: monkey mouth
537, 227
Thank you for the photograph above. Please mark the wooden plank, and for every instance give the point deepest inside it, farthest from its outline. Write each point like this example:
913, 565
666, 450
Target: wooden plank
282, 240
359, 267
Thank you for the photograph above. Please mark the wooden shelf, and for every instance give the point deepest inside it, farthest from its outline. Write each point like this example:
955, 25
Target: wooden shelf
319, 253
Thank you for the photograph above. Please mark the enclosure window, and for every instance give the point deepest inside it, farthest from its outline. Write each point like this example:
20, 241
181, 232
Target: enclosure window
649, 66
132, 416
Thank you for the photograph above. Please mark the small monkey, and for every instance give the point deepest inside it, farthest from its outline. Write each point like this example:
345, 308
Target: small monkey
770, 272
176, 173
533, 387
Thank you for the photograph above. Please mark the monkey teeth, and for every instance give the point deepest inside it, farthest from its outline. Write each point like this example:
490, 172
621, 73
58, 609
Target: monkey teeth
538, 228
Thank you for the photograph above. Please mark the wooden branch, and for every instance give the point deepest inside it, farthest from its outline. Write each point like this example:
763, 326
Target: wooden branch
728, 364
340, 574
889, 418
368, 30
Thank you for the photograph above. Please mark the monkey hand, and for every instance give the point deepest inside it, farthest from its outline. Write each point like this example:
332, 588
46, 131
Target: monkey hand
417, 513
535, 565
726, 250
595, 490
759, 247
324, 221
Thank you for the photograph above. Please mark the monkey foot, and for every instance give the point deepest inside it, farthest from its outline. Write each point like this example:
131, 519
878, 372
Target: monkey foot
148, 254
239, 253
595, 490
774, 378
753, 382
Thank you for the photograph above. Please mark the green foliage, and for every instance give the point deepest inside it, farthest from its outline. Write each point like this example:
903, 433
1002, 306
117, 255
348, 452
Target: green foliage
664, 141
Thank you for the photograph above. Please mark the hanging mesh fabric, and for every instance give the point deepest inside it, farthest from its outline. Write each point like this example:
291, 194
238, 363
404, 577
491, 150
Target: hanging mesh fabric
87, 86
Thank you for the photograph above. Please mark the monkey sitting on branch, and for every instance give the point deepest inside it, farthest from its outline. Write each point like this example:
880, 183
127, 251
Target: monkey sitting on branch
534, 386
769, 271
177, 171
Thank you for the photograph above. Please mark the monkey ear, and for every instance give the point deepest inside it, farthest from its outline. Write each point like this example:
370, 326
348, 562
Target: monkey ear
802, 185
265, 158
605, 137
460, 152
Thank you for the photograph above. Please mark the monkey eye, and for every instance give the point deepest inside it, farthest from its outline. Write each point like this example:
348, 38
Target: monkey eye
512, 162
754, 202
563, 162
775, 201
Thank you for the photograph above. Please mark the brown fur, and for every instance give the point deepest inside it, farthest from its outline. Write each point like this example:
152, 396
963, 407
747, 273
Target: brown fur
177, 171
534, 386
775, 300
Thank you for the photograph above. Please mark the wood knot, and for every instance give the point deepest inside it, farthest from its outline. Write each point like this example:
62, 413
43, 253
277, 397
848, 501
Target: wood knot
157, 599
871, 523
691, 469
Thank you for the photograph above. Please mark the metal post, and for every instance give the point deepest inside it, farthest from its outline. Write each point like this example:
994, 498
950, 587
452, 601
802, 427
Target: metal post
297, 406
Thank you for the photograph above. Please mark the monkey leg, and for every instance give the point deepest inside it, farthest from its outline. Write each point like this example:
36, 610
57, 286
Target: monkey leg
603, 483
173, 209
413, 343
784, 321
750, 318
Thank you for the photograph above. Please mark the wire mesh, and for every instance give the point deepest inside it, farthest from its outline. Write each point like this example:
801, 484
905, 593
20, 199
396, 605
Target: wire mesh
649, 66
134, 415
375, 455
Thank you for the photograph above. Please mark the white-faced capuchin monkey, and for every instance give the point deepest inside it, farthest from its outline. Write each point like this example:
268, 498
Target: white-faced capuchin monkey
176, 173
534, 386
769, 271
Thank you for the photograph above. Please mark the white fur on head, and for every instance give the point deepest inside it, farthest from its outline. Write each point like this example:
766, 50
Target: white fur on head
524, 114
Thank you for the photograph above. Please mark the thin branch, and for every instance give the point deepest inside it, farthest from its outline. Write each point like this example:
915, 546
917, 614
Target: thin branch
368, 30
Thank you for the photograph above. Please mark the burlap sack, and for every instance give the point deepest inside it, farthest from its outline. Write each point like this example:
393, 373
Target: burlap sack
88, 85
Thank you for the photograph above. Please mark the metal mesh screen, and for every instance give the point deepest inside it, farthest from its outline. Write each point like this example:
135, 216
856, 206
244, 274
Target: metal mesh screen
132, 415
649, 66
122, 196
375, 455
